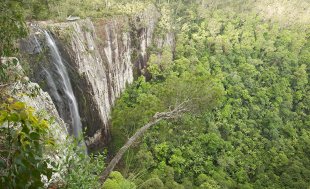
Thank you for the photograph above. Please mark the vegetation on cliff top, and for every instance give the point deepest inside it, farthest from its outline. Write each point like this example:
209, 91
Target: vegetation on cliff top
256, 135
245, 70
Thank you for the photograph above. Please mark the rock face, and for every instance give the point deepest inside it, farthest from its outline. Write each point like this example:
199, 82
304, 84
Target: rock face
42, 102
21, 89
31, 94
102, 56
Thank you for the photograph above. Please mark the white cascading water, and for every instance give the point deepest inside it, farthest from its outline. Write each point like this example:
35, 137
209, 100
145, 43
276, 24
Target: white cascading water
37, 47
52, 87
66, 85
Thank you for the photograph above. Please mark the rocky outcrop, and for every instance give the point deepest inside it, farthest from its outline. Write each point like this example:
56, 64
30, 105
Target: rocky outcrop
21, 89
102, 56
18, 87
43, 105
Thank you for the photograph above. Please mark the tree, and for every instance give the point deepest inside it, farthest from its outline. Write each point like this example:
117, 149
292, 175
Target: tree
13, 26
176, 112
117, 181
23, 137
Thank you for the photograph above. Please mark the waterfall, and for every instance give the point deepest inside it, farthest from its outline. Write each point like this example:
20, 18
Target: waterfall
37, 46
52, 88
60, 83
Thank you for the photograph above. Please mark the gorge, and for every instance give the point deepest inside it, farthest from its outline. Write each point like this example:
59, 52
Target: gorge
101, 56
155, 94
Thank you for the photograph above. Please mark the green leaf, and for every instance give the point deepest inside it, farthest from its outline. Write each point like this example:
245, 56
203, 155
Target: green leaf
18, 106
34, 136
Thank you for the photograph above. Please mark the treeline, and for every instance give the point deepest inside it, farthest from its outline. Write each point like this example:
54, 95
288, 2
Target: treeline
252, 128
246, 78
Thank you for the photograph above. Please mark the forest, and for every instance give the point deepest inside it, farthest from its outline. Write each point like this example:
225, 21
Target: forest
241, 73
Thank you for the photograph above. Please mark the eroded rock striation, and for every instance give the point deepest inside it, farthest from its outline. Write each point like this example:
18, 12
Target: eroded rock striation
102, 56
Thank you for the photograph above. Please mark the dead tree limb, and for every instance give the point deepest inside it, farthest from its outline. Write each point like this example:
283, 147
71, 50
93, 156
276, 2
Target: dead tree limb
176, 112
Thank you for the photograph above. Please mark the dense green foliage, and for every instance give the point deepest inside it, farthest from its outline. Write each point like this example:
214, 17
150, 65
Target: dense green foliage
117, 181
253, 134
244, 77
12, 26
61, 9
82, 170
28, 153
23, 137
12, 20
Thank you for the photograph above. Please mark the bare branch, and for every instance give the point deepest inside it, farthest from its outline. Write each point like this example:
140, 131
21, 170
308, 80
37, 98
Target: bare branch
176, 112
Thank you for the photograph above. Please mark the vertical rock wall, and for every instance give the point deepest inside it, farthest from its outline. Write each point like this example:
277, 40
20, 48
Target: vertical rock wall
102, 57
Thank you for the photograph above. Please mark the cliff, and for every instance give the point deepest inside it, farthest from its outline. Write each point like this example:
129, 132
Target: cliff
102, 56
20, 88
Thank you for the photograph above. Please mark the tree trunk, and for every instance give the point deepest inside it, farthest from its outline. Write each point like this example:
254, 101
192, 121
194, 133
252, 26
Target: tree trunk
156, 118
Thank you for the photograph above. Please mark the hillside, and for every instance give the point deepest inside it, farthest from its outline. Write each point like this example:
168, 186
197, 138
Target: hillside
155, 94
